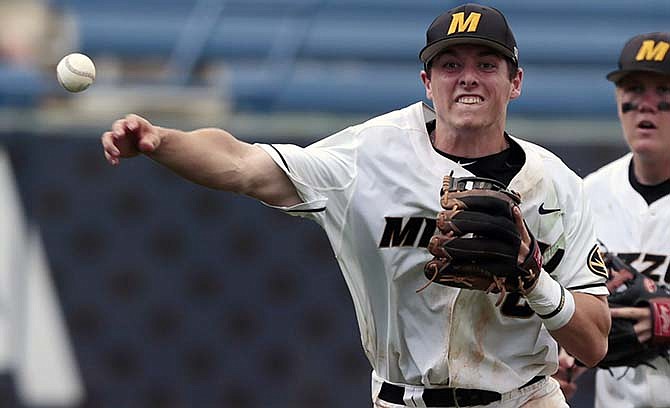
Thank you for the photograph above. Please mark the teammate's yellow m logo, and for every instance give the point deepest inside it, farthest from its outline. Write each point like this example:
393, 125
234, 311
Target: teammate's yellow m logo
460, 24
649, 50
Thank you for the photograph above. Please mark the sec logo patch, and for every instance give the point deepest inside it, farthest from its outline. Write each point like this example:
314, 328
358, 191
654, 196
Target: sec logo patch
596, 263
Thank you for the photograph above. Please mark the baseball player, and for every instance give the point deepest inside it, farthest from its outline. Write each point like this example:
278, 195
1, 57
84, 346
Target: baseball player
631, 202
375, 190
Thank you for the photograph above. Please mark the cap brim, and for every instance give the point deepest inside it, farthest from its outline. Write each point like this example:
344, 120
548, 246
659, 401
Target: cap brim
616, 76
429, 52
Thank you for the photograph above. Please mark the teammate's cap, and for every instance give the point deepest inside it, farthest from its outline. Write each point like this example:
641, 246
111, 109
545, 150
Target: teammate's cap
470, 24
645, 52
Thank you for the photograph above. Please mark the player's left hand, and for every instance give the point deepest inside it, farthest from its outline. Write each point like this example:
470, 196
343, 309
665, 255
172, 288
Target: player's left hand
483, 242
642, 315
568, 373
636, 304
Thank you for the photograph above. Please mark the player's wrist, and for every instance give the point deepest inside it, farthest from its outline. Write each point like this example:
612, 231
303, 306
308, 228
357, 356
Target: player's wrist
554, 304
162, 133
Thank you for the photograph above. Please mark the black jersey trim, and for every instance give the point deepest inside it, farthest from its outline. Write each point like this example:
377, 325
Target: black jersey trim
501, 166
282, 158
314, 210
650, 193
592, 285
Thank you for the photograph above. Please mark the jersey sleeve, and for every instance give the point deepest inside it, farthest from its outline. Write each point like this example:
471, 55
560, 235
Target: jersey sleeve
582, 269
322, 173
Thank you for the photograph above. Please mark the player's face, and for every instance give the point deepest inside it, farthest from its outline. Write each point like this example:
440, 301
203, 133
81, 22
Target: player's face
470, 87
646, 128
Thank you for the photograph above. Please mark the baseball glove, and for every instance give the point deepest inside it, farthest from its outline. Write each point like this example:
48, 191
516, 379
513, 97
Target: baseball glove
630, 288
478, 243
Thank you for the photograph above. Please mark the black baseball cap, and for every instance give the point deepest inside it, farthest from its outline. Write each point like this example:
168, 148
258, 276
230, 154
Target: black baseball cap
470, 24
645, 52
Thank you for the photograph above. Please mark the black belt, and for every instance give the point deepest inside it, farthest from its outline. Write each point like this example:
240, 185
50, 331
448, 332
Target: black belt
446, 397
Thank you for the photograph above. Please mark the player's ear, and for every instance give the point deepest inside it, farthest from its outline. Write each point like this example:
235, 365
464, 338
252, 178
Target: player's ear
425, 78
517, 80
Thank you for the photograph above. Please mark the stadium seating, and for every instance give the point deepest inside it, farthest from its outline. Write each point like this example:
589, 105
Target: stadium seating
20, 87
304, 55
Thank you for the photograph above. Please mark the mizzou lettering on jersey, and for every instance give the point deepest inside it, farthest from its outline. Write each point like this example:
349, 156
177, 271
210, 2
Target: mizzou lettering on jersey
651, 50
551, 254
417, 231
401, 231
650, 265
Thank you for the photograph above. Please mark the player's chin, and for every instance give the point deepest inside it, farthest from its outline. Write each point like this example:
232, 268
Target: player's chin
470, 107
648, 143
466, 122
471, 115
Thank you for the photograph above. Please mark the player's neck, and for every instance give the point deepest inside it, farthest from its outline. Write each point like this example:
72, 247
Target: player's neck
470, 143
651, 172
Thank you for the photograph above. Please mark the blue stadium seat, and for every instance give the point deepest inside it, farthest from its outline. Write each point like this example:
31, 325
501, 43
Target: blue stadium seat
555, 91
551, 91
127, 36
348, 31
320, 54
20, 87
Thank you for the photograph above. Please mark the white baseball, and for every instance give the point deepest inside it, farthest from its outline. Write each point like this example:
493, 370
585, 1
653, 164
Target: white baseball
75, 72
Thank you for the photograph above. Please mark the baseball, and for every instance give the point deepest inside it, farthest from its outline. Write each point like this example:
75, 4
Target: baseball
75, 72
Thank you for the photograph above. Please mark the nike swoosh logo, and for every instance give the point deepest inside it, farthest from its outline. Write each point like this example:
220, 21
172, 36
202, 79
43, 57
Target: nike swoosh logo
544, 211
466, 164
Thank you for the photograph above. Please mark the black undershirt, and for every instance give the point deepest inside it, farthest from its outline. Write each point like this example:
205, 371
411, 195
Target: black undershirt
649, 193
502, 166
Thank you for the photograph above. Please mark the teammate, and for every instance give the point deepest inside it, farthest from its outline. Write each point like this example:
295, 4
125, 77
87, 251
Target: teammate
374, 188
631, 202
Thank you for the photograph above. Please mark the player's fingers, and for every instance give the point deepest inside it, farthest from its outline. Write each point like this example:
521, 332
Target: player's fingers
148, 139
565, 369
119, 128
643, 330
565, 359
633, 313
110, 150
134, 122
623, 274
113, 160
618, 278
108, 145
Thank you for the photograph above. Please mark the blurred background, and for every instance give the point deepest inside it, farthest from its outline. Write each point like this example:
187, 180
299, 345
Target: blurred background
128, 287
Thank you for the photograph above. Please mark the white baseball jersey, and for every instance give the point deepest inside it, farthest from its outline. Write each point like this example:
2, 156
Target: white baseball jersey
630, 227
375, 188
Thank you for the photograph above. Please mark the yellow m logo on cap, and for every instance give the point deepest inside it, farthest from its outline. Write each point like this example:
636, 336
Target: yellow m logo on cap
460, 24
650, 50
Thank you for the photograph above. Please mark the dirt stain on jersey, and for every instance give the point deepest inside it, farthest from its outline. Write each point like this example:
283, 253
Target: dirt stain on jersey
473, 313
